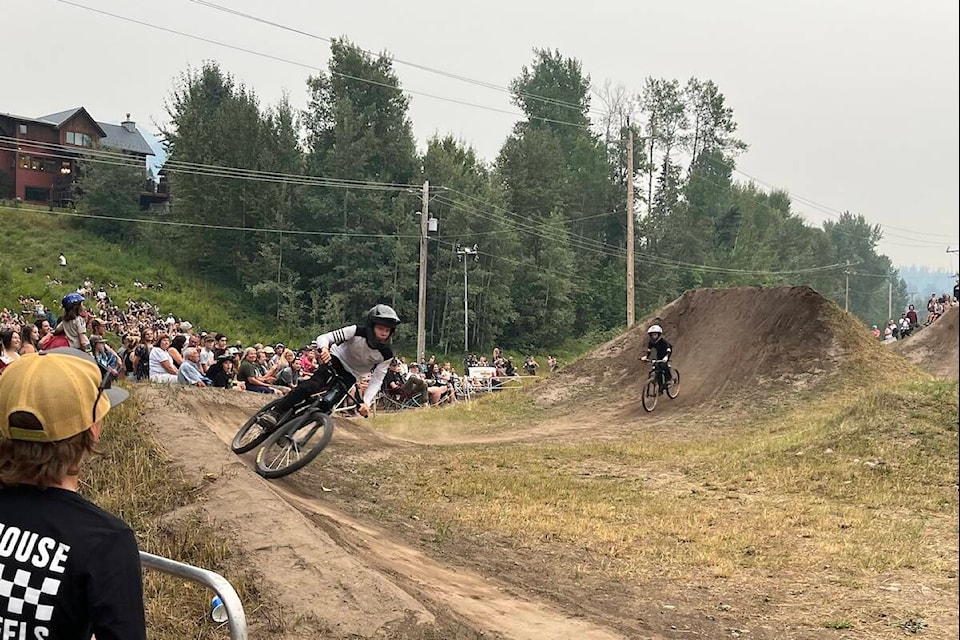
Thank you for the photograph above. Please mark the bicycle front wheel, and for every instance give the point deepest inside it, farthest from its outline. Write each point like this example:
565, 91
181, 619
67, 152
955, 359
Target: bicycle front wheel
674, 389
650, 393
252, 433
294, 444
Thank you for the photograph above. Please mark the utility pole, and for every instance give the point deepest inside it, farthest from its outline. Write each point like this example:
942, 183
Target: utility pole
631, 305
846, 290
890, 300
462, 253
422, 289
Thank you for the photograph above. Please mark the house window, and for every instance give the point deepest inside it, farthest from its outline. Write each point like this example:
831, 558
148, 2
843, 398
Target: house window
37, 194
79, 139
23, 129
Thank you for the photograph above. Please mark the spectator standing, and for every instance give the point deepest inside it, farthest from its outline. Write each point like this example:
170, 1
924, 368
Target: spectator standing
77, 569
912, 317
530, 365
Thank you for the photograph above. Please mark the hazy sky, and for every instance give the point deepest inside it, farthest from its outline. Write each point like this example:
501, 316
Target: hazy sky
849, 104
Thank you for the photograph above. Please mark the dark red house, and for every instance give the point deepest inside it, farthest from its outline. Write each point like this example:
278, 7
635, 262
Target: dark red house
38, 156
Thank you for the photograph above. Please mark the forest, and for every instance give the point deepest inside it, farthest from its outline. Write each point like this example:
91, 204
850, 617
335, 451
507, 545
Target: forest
315, 214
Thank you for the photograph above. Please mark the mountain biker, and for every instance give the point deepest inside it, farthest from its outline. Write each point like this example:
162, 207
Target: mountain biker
353, 351
657, 343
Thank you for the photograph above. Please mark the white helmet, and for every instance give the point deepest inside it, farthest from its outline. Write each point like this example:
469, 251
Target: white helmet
655, 329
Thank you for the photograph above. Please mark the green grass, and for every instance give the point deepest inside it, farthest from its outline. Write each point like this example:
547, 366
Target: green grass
35, 238
866, 479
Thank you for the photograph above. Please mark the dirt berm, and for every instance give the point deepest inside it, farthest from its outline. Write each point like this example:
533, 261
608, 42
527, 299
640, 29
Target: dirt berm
749, 342
935, 349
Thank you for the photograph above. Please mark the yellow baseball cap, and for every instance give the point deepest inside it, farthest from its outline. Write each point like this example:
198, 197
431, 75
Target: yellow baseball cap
59, 388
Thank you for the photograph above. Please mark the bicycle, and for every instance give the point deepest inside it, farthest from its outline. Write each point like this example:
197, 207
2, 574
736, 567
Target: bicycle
302, 432
655, 386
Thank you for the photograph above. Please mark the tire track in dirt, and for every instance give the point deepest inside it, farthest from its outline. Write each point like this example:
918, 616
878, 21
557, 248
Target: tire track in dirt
468, 595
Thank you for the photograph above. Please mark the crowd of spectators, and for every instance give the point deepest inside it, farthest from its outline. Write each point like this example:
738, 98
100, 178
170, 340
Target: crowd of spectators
165, 349
909, 321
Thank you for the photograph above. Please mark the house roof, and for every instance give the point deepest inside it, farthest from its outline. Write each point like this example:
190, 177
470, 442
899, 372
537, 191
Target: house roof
14, 116
61, 117
118, 137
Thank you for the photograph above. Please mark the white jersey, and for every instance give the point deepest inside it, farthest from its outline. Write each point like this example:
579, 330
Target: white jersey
349, 345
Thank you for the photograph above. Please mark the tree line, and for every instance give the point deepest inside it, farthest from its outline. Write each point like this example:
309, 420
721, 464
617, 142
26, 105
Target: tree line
329, 225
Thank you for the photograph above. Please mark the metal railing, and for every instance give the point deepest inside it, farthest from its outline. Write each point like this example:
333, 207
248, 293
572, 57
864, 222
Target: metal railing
236, 618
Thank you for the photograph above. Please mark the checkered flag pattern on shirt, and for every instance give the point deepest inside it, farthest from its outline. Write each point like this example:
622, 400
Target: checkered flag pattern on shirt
20, 596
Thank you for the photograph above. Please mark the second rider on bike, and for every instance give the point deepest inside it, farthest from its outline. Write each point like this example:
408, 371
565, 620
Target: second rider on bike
657, 343
353, 352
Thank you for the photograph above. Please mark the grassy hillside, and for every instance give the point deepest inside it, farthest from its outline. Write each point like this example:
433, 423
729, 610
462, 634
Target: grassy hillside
35, 238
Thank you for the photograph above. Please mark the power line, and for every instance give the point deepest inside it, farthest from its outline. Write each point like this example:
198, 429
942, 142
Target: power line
199, 225
120, 158
481, 83
836, 213
316, 68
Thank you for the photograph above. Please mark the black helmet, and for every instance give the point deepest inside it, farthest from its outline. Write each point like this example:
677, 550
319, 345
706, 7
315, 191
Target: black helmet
380, 314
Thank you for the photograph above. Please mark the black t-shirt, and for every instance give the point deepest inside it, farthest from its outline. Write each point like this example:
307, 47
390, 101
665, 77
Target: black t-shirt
392, 381
68, 569
661, 346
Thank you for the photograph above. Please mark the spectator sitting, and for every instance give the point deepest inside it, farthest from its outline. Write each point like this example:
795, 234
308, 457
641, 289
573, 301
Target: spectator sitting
176, 350
126, 354
10, 353
106, 359
161, 365
141, 355
415, 386
29, 339
289, 372
208, 355
222, 373
552, 364
249, 376
189, 372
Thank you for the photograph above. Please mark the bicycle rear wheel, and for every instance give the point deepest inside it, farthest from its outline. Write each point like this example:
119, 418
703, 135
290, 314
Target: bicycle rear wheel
252, 433
650, 393
674, 389
294, 444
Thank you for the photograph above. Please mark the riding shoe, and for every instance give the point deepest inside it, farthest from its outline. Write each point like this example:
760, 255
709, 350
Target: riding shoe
268, 418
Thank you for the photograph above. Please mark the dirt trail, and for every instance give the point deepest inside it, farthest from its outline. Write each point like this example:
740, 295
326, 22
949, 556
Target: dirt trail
353, 578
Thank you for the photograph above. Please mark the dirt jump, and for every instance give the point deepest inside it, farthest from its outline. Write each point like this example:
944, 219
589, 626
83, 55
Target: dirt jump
762, 342
344, 576
936, 348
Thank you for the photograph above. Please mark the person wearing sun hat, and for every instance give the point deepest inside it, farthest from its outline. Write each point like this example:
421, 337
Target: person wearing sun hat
68, 569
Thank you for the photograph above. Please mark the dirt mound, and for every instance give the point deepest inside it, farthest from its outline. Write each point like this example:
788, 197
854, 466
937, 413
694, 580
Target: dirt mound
761, 341
935, 349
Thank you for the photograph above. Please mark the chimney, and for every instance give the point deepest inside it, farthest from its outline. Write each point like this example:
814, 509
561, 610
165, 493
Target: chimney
129, 124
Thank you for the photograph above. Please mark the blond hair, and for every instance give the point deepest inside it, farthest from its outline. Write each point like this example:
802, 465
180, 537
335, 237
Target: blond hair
42, 464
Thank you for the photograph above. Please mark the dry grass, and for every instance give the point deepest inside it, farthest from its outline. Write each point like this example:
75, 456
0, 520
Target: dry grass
133, 480
866, 482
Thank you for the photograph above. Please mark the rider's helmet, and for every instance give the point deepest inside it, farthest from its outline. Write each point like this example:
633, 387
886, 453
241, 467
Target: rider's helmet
381, 314
655, 331
71, 299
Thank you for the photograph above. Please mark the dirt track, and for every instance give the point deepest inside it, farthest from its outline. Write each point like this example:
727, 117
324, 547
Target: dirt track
344, 576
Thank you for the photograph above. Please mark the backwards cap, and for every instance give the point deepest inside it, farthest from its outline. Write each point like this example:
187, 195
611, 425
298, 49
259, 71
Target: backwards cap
57, 387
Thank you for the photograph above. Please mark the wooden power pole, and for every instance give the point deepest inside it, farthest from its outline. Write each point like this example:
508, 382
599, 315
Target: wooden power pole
630, 275
422, 289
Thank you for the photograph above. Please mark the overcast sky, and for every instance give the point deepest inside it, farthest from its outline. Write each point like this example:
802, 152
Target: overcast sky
849, 104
